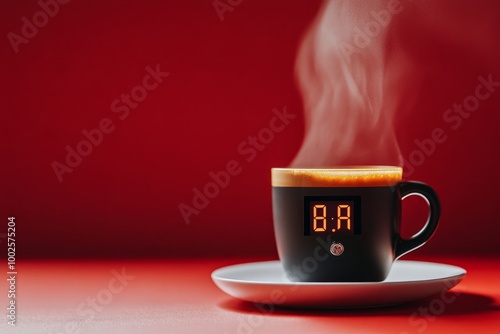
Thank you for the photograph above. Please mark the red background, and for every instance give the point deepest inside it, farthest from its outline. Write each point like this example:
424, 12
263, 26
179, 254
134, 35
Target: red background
225, 79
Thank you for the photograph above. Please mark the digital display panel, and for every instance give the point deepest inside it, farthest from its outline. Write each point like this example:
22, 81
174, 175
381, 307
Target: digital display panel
338, 215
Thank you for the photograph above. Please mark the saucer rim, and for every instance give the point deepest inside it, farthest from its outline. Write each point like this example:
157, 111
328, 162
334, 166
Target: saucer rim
461, 273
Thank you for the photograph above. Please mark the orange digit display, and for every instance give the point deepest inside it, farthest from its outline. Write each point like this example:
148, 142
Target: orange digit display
343, 216
340, 215
321, 216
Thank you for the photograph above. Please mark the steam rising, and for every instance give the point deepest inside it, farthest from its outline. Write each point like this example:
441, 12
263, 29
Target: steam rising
345, 79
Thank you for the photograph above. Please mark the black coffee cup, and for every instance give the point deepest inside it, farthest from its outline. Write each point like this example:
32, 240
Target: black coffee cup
343, 224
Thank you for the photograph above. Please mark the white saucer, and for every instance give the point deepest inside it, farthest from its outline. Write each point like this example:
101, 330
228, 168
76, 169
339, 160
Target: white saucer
265, 282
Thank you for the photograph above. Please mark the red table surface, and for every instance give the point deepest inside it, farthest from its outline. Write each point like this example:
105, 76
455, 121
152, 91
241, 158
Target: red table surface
178, 296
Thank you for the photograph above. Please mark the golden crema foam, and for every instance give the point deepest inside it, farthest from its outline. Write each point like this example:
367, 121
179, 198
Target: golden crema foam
356, 176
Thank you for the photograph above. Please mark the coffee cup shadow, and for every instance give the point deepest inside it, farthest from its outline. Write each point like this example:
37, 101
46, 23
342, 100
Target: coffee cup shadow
464, 303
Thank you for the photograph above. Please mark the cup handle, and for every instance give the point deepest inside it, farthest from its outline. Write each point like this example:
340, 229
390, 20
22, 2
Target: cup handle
406, 189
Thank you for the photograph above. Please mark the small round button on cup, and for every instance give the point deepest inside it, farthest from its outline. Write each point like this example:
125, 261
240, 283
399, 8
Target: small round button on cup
336, 248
